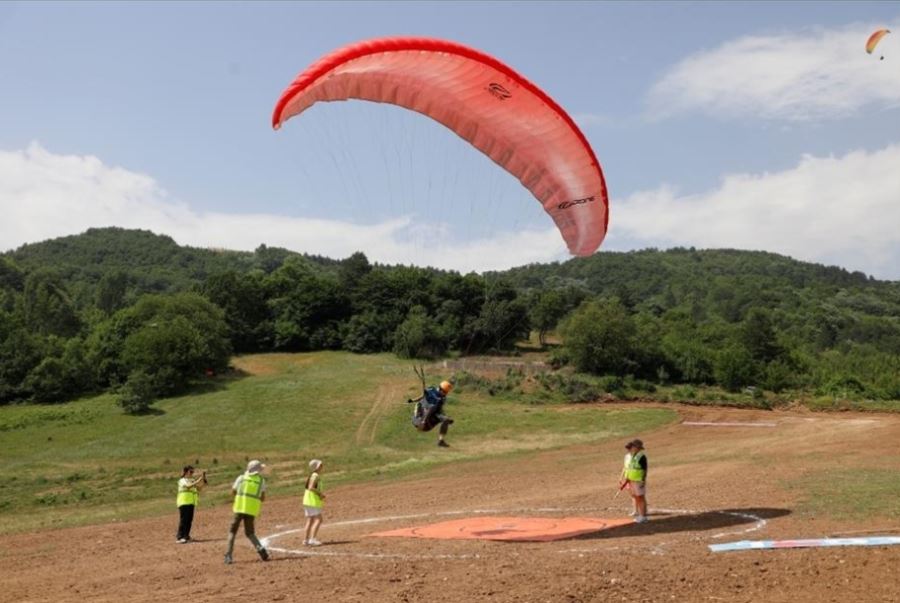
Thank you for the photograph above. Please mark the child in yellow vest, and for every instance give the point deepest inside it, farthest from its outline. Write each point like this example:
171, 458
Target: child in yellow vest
313, 503
636, 474
623, 482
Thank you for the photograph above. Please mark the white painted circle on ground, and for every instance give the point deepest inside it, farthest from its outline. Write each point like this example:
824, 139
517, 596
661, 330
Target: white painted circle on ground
655, 547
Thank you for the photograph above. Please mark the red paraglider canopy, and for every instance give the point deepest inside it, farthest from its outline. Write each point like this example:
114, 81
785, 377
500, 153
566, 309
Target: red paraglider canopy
485, 102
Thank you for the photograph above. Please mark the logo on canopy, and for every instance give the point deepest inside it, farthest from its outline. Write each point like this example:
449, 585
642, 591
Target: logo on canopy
574, 202
499, 91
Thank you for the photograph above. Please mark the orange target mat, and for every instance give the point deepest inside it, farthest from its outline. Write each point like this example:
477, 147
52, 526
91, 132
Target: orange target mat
533, 529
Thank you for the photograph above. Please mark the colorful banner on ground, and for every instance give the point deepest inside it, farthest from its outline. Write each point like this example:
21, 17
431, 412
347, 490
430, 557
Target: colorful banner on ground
749, 545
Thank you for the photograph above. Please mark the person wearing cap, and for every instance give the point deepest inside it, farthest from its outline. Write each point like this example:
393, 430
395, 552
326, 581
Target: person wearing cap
313, 503
187, 500
249, 491
429, 412
636, 474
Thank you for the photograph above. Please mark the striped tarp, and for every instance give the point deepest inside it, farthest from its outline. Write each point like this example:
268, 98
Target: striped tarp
749, 545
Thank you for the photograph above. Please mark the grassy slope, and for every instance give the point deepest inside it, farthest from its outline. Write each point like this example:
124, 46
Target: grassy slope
85, 461
849, 493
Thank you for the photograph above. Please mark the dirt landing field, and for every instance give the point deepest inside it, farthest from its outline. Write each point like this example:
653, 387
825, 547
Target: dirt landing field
716, 484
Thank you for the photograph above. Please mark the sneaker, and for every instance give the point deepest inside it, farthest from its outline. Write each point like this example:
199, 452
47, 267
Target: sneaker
313, 542
443, 444
263, 554
641, 519
182, 540
228, 560
306, 543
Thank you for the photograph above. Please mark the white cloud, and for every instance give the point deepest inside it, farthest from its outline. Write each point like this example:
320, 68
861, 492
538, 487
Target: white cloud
44, 195
834, 210
588, 120
811, 74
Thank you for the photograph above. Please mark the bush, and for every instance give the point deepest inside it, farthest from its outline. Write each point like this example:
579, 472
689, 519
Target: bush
778, 376
579, 390
180, 335
48, 381
734, 368
685, 393
611, 384
419, 336
558, 358
466, 381
369, 332
641, 385
692, 361
502, 321
175, 347
549, 381
843, 387
138, 393
600, 338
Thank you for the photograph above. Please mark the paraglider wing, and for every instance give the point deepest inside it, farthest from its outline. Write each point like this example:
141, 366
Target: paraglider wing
875, 38
485, 102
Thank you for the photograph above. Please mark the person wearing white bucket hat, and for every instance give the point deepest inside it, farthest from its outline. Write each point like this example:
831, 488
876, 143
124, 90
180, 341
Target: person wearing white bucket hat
313, 503
249, 492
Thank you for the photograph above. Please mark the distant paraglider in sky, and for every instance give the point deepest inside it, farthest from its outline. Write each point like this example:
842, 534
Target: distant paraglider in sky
485, 102
874, 39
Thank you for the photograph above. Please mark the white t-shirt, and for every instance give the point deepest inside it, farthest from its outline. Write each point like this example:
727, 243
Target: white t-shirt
237, 483
185, 484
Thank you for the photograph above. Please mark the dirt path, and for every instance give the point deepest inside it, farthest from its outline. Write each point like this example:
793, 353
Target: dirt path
709, 481
385, 397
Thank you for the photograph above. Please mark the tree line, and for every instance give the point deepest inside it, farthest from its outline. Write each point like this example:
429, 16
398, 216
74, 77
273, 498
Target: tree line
135, 313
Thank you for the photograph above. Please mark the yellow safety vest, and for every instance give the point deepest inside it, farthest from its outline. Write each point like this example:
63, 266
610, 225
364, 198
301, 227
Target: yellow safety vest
310, 498
634, 473
249, 495
187, 495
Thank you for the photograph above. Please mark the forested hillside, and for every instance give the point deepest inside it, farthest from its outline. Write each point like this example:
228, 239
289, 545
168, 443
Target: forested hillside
135, 312
149, 263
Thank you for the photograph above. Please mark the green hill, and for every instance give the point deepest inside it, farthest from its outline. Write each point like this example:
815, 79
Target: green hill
152, 263
812, 304
76, 315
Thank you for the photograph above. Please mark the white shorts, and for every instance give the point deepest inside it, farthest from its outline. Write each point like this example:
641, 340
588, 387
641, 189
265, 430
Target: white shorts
312, 511
637, 488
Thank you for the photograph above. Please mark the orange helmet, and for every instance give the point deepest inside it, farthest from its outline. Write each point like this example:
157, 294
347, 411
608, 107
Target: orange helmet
446, 386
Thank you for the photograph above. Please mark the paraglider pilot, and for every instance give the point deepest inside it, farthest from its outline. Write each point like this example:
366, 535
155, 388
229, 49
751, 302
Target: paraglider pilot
429, 412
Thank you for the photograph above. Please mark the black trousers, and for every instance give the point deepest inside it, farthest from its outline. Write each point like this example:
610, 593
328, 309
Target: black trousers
444, 421
185, 520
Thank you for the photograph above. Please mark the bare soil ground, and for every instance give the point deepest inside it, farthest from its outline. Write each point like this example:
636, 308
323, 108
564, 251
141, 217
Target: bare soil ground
712, 482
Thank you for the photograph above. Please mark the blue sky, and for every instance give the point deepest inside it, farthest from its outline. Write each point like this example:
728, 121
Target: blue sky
751, 125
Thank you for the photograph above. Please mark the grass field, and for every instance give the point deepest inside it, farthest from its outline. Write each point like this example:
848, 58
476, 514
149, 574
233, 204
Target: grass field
855, 494
86, 461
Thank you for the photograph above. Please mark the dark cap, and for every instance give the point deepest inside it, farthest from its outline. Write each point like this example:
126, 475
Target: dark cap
629, 445
637, 443
187, 468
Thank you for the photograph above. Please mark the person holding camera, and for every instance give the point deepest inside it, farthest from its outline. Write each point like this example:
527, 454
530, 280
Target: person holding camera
187, 501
